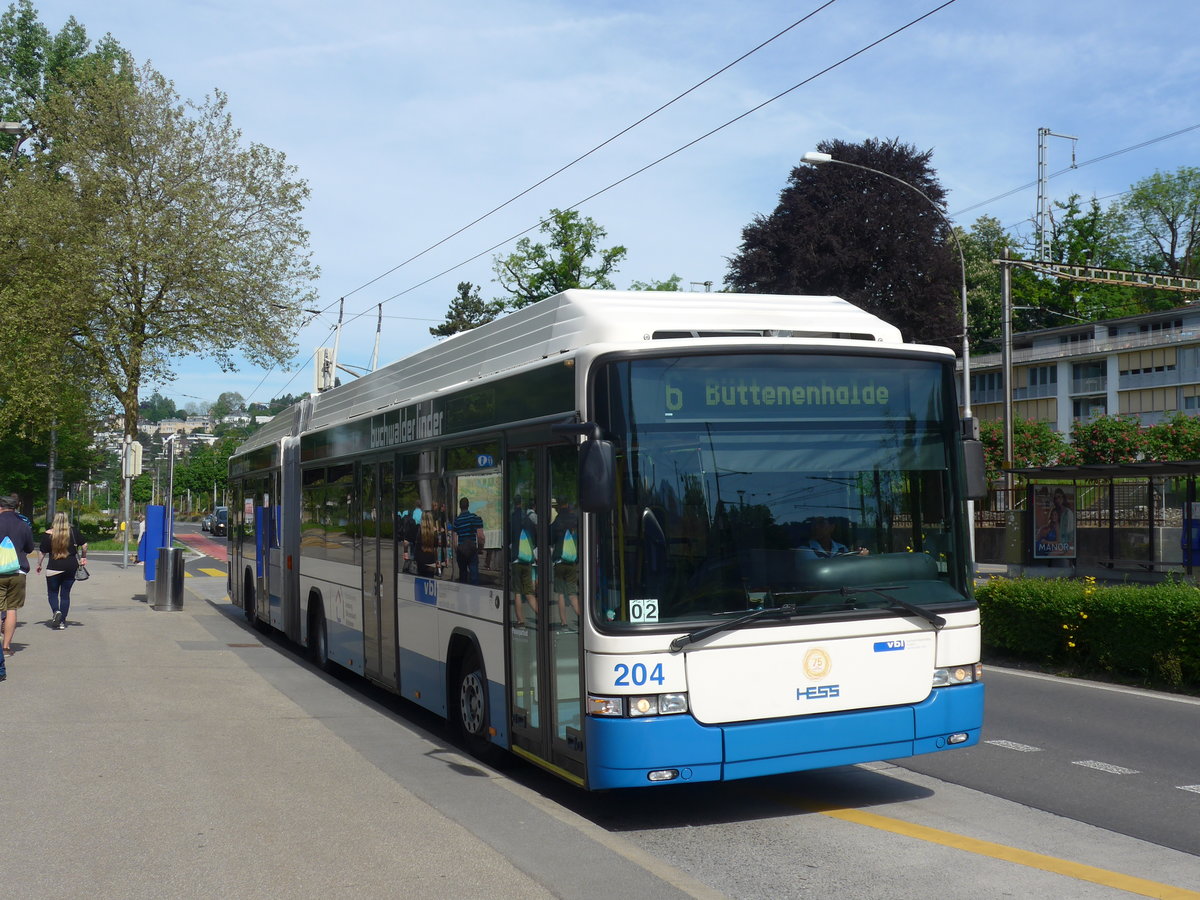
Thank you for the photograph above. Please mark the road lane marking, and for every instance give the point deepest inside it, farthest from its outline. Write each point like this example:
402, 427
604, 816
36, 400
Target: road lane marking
1095, 685
1056, 866
1105, 767
1013, 745
1194, 788
216, 573
1052, 864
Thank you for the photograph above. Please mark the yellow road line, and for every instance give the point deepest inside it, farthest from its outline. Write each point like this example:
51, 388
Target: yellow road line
1078, 871
215, 573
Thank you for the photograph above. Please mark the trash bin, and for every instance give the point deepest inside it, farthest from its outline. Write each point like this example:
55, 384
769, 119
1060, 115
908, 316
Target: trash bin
168, 579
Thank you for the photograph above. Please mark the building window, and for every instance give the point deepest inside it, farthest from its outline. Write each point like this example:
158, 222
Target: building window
1039, 375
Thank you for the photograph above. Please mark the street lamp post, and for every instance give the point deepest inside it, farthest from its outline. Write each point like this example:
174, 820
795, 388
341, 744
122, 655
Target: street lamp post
815, 158
17, 128
819, 159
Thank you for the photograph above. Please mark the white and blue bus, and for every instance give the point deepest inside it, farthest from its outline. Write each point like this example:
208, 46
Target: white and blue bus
705, 536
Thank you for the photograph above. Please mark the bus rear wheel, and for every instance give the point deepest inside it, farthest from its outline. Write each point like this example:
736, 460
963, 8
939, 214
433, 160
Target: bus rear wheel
318, 640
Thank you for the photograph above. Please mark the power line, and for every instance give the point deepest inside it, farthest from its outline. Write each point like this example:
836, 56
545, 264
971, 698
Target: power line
599, 146
655, 162
1089, 162
680, 149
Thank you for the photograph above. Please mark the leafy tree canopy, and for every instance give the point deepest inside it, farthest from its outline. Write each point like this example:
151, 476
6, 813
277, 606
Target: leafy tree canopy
141, 215
1161, 216
158, 407
570, 258
863, 237
467, 310
671, 284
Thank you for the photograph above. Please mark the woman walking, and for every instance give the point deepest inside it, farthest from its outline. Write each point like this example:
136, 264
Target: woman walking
66, 550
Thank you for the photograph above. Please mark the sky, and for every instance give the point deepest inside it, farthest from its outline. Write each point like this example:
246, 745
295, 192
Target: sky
410, 120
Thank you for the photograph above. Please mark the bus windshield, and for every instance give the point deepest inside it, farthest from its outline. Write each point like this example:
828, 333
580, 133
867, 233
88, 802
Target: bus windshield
749, 482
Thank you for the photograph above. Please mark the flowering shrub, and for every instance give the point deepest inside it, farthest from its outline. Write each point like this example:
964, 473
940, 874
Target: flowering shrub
1148, 633
1105, 439
1034, 444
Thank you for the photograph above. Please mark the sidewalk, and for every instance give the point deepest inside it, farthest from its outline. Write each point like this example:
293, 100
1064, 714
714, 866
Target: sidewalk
152, 753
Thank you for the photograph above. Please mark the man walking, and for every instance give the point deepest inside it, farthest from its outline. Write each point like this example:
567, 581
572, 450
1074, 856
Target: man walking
16, 543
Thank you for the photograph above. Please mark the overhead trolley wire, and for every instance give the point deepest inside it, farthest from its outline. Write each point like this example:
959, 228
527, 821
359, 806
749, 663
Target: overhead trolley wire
683, 147
649, 165
1088, 162
599, 146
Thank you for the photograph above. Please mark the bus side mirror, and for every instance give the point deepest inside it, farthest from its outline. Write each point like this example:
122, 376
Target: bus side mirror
975, 470
597, 475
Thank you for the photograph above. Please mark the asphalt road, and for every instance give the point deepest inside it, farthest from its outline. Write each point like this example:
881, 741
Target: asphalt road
1122, 759
1074, 786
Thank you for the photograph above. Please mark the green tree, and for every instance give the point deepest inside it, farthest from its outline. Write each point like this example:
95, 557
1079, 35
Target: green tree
671, 284
1161, 215
157, 408
571, 258
228, 403
169, 237
863, 237
467, 310
1079, 236
982, 245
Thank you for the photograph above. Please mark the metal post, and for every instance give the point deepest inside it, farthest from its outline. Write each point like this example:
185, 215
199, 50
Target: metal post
1006, 349
127, 484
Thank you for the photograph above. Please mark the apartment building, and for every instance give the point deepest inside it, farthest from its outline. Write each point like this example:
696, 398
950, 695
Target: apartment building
1146, 365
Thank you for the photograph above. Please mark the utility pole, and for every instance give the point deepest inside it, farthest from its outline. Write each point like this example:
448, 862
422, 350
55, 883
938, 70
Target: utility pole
1043, 202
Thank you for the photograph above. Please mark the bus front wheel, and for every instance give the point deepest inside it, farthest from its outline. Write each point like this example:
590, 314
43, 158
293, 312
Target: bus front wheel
472, 704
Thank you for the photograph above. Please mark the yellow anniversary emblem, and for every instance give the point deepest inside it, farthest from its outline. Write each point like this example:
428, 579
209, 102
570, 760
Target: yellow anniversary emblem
817, 664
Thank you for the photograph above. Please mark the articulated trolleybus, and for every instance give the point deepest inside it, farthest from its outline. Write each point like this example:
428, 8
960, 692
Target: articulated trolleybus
636, 538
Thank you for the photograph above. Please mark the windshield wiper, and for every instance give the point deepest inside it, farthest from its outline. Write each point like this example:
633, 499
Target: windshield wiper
789, 610
933, 618
771, 612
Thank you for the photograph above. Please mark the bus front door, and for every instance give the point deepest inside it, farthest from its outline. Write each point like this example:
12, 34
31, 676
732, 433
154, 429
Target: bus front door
542, 624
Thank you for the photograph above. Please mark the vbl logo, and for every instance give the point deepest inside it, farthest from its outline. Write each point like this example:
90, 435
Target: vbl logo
818, 692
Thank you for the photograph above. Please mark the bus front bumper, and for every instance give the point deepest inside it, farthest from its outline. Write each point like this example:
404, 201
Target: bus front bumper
639, 752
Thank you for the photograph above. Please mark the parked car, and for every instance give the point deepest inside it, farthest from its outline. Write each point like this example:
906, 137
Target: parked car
206, 523
220, 522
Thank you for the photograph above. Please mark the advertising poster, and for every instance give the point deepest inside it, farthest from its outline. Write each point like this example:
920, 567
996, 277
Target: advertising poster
1054, 521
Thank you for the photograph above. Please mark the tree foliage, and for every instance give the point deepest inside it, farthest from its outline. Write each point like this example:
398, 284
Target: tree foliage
1105, 439
1175, 439
467, 310
670, 284
157, 408
1161, 215
1034, 444
570, 258
156, 234
863, 237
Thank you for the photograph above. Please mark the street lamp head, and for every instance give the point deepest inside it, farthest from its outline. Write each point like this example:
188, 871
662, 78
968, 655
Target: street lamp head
814, 158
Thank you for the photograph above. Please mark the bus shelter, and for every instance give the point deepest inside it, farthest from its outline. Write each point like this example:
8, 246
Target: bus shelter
1136, 521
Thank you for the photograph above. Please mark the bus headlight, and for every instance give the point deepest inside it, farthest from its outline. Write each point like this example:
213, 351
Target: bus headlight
639, 706
968, 674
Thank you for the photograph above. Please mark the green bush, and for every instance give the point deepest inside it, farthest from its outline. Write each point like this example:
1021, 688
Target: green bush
1151, 633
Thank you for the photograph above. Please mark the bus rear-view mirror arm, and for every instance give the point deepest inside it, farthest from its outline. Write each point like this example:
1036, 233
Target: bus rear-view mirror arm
597, 465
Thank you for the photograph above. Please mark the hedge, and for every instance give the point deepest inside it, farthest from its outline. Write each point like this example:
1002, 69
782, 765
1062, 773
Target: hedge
1149, 633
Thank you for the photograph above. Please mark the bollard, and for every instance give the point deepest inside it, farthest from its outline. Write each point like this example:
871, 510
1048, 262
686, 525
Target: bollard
168, 579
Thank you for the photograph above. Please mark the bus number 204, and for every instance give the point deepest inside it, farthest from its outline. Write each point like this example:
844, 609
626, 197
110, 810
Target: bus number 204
637, 675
